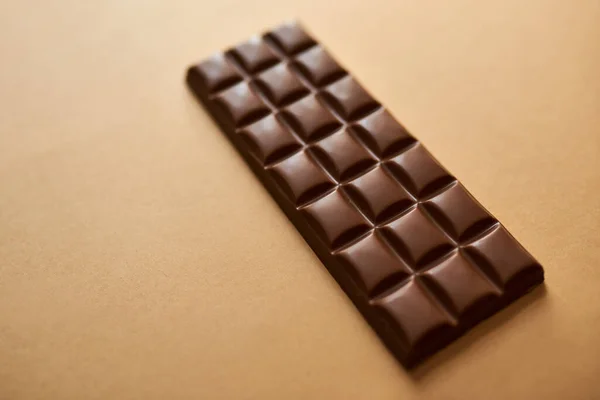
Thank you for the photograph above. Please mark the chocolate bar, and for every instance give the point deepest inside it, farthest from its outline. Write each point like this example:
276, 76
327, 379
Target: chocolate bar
420, 258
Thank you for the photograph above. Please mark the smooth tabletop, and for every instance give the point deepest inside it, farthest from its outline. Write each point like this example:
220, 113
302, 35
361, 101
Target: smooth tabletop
141, 259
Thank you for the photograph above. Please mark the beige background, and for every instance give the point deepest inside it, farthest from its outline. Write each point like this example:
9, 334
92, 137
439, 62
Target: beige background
140, 259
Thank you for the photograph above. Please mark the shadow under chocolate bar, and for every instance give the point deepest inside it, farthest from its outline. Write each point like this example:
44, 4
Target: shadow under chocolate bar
420, 258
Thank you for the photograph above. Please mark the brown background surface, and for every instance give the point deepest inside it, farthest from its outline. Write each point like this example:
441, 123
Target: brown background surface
140, 259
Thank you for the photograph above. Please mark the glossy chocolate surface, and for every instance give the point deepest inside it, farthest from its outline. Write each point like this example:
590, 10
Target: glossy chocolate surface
420, 258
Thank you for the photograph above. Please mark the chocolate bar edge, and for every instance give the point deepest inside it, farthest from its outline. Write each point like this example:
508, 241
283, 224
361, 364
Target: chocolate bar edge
390, 338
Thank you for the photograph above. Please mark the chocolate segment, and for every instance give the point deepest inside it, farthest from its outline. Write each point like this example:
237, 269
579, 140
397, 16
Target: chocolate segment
269, 140
318, 66
290, 38
255, 55
383, 134
374, 265
420, 258
280, 85
379, 195
310, 118
217, 73
342, 155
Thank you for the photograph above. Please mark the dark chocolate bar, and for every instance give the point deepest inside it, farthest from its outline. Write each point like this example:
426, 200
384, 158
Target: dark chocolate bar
420, 258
